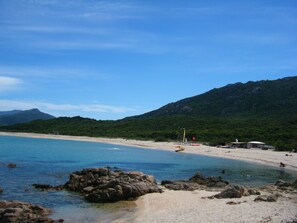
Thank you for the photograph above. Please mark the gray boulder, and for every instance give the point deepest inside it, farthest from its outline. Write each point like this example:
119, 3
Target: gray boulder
208, 181
181, 185
236, 192
100, 185
231, 192
266, 198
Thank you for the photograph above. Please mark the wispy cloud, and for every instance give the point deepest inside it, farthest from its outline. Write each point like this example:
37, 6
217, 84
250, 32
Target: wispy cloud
64, 108
77, 25
251, 38
9, 83
51, 72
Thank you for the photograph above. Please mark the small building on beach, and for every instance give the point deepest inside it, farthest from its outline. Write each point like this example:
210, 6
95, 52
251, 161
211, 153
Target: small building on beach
256, 144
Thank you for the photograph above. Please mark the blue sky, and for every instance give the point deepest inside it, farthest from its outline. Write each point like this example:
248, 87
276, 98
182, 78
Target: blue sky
112, 59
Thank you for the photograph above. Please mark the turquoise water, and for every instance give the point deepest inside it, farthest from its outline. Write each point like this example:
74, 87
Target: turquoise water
48, 161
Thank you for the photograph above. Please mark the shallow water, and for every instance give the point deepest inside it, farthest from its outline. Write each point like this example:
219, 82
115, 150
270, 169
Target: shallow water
48, 161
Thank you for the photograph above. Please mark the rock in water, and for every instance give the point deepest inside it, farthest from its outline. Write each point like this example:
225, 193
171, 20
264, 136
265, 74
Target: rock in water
208, 181
1, 190
45, 187
17, 211
11, 165
100, 185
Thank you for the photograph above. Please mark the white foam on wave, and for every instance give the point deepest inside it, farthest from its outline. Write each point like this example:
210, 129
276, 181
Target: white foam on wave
114, 148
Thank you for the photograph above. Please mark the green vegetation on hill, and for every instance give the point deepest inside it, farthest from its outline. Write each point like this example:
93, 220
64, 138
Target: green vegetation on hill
281, 133
261, 98
263, 111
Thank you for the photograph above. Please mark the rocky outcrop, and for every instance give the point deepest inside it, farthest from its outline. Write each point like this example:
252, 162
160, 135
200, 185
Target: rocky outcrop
266, 198
286, 185
45, 187
208, 181
181, 185
17, 211
198, 181
231, 192
236, 192
104, 185
282, 183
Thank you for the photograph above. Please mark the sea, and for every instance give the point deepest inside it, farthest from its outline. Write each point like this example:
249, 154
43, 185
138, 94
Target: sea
50, 161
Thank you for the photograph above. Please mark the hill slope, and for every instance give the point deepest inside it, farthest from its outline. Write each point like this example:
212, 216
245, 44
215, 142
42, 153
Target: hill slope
252, 98
17, 116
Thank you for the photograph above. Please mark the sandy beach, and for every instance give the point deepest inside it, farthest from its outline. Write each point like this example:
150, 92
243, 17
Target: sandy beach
186, 206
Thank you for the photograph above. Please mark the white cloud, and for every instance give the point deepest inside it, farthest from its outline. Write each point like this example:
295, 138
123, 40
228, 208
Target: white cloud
6, 105
9, 83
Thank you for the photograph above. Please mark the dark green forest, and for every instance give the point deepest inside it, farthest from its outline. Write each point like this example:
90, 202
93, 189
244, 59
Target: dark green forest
280, 133
263, 111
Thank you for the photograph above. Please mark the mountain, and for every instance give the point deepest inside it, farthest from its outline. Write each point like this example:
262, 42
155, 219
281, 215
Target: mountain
276, 97
18, 116
9, 112
254, 111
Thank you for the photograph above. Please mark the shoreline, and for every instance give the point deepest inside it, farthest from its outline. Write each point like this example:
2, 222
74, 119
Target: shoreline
265, 157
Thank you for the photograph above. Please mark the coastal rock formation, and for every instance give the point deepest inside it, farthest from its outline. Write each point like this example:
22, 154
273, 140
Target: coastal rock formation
266, 198
181, 185
282, 183
198, 181
236, 192
45, 187
285, 185
17, 211
103, 185
208, 181
231, 192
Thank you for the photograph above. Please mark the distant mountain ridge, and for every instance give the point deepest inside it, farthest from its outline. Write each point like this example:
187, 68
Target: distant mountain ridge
252, 98
9, 112
19, 116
